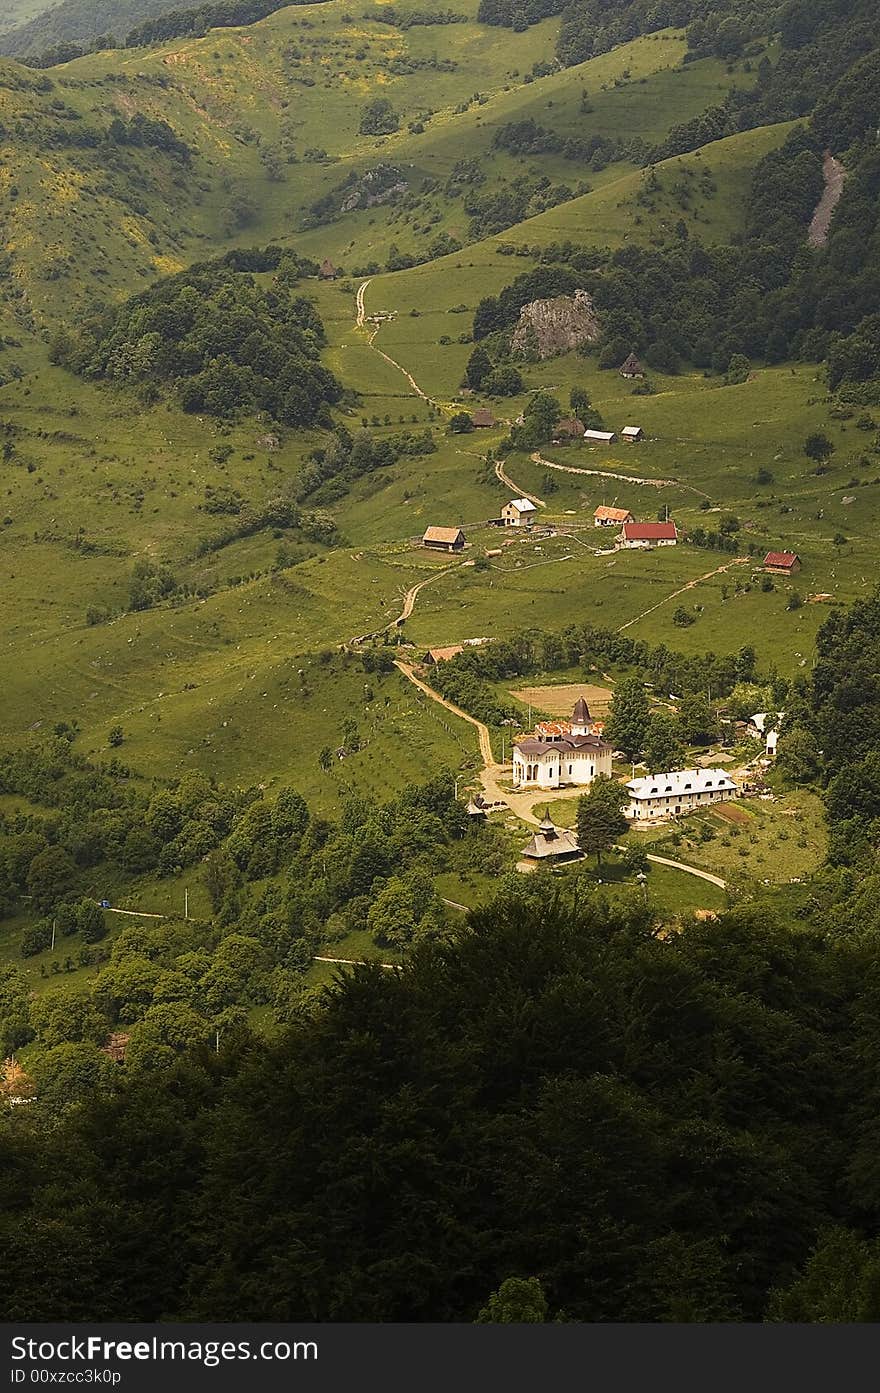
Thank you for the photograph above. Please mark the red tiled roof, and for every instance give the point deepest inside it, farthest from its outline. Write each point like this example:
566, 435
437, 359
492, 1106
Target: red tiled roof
650, 531
606, 514
780, 558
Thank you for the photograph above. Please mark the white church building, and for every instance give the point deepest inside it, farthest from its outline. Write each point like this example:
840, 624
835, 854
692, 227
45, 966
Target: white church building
560, 753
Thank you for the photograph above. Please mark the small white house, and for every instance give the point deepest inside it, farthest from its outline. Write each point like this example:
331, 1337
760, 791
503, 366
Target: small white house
682, 791
600, 437
766, 724
631, 434
519, 512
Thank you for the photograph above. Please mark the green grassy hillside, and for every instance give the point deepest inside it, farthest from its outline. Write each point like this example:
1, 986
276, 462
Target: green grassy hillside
270, 114
17, 12
95, 482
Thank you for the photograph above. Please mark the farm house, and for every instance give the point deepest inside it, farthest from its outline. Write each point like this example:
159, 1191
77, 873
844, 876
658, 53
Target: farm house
632, 367
648, 534
782, 563
519, 512
611, 517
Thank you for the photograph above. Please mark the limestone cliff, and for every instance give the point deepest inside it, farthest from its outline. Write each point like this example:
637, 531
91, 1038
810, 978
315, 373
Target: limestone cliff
549, 327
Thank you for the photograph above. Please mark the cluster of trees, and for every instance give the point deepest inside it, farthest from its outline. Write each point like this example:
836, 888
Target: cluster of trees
331, 469
281, 880
143, 130
196, 21
224, 343
527, 137
659, 736
511, 201
409, 19
379, 118
471, 678
498, 379
831, 735
541, 1075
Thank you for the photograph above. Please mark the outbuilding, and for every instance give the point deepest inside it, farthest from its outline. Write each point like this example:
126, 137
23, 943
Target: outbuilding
482, 418
519, 512
551, 843
782, 563
611, 517
632, 367
600, 437
570, 428
631, 434
327, 271
443, 539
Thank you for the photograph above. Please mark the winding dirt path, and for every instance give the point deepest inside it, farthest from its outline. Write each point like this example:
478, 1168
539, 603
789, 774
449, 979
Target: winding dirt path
371, 340
691, 870
504, 477
691, 584
537, 458
482, 730
834, 174
361, 308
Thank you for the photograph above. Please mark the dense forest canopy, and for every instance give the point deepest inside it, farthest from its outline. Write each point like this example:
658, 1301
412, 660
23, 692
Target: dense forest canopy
223, 342
652, 1127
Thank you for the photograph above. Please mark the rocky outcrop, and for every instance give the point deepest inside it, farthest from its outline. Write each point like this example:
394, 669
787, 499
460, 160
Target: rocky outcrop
549, 327
379, 185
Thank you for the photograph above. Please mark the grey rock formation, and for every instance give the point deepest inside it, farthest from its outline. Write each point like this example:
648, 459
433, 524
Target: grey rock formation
549, 327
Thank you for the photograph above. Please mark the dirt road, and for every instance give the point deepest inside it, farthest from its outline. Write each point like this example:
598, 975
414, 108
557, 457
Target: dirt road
361, 309
697, 580
504, 477
537, 458
371, 339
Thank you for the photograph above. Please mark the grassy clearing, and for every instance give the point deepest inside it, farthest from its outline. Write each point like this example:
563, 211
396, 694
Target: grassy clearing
778, 842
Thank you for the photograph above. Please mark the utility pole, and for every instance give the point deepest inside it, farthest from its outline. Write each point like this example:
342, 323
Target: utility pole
186, 904
54, 925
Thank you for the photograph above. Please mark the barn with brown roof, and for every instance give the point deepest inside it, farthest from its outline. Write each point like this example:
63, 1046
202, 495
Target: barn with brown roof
482, 418
570, 428
443, 538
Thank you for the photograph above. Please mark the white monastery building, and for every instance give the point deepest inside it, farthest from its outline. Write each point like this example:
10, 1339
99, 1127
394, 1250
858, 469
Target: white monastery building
561, 752
518, 512
682, 791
